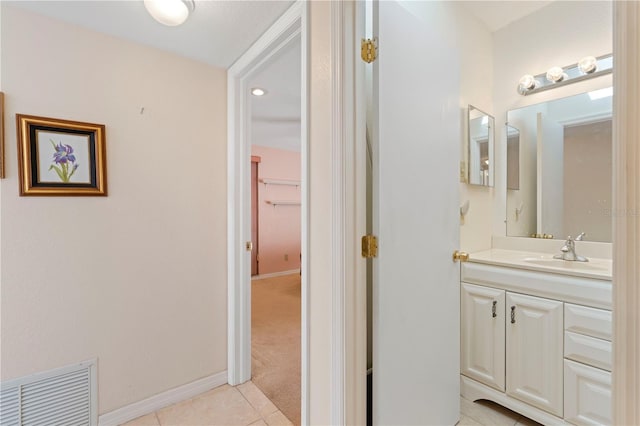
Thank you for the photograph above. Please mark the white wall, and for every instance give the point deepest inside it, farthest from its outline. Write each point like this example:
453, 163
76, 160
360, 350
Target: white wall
558, 34
476, 88
136, 279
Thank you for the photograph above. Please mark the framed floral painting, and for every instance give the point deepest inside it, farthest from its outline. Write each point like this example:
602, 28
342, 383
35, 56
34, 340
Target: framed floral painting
61, 157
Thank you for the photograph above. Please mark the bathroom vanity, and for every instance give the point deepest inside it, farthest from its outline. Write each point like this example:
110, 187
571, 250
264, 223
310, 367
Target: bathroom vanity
536, 335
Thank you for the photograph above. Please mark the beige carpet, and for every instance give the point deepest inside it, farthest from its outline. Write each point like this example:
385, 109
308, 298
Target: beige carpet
275, 341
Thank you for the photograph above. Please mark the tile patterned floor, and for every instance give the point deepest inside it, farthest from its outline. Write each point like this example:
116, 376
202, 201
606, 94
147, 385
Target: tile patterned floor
246, 405
226, 405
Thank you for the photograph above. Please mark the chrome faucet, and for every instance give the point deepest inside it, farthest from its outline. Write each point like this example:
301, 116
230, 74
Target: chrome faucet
569, 250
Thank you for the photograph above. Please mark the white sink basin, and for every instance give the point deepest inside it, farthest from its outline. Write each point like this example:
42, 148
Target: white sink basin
550, 262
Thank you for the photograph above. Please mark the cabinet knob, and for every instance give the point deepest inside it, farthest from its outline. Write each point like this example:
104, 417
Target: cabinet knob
513, 315
493, 309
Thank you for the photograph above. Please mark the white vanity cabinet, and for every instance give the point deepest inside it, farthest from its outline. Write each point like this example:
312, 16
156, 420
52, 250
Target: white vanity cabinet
538, 343
528, 345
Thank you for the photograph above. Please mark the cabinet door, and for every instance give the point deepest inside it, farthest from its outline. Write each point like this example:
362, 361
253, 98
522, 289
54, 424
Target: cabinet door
587, 395
534, 351
482, 334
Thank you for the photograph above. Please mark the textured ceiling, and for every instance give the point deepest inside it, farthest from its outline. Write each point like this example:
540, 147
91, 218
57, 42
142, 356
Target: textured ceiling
217, 32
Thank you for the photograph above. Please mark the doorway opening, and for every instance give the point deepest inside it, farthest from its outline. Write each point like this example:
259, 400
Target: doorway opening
276, 217
268, 219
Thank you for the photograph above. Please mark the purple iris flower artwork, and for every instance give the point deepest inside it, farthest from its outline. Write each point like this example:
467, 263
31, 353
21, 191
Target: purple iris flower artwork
64, 161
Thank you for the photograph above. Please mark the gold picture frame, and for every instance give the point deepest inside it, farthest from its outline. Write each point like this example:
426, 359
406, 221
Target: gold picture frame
61, 157
2, 172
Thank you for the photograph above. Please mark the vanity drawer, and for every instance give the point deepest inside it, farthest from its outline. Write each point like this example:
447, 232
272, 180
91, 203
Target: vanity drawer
588, 350
587, 395
590, 321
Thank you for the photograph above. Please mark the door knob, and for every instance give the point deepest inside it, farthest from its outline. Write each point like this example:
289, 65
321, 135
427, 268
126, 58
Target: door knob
249, 246
460, 256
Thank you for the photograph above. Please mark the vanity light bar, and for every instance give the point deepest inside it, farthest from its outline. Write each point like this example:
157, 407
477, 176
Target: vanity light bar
586, 68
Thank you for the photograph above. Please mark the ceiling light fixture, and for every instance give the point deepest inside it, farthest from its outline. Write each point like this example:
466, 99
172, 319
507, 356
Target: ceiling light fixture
257, 91
170, 12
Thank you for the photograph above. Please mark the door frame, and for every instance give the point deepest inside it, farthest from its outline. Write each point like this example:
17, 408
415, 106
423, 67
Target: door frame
291, 25
626, 217
348, 385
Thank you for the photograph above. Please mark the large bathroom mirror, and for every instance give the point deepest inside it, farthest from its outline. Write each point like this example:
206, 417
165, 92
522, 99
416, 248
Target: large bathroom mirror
481, 147
564, 163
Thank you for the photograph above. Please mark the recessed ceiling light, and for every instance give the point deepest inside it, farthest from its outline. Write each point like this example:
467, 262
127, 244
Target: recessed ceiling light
257, 91
170, 12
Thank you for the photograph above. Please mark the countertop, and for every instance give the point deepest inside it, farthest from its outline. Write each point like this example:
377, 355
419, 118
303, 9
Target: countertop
595, 268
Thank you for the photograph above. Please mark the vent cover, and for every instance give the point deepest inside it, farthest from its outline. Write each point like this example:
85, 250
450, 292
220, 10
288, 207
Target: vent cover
65, 396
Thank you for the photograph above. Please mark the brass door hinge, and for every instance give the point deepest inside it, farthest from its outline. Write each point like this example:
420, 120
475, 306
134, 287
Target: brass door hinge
369, 246
369, 49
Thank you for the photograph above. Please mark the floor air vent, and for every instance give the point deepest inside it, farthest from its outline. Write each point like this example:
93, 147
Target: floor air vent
65, 396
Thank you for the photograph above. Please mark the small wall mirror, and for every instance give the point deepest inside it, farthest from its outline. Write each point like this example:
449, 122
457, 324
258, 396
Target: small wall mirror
481, 147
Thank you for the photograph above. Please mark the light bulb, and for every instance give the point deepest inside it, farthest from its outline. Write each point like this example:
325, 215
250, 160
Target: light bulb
556, 74
169, 12
256, 91
588, 65
527, 82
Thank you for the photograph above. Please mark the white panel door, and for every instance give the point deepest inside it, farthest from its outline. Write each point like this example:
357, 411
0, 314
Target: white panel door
534, 351
482, 328
416, 133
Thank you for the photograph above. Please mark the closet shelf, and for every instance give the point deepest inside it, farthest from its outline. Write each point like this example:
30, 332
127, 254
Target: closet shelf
269, 181
283, 202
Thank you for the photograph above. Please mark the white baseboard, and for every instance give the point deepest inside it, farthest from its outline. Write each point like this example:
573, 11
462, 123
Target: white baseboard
276, 274
164, 399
